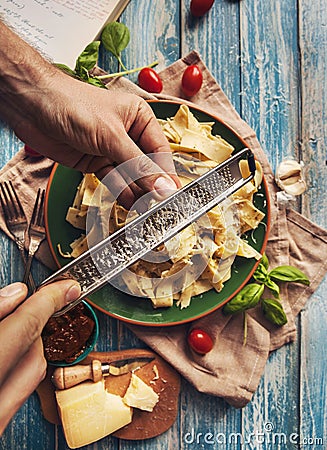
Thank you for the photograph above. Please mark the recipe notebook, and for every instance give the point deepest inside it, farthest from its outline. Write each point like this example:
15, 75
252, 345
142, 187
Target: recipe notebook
60, 29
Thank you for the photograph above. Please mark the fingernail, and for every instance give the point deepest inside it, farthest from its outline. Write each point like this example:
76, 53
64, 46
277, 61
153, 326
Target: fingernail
73, 293
12, 289
164, 186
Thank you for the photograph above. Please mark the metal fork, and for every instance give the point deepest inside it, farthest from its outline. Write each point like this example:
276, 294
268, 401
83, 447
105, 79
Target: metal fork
36, 231
15, 220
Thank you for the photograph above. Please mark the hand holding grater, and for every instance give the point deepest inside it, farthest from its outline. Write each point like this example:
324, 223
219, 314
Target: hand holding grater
107, 259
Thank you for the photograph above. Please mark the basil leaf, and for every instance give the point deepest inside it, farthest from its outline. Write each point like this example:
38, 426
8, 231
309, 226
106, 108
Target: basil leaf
96, 82
83, 74
247, 298
260, 274
272, 286
115, 37
88, 58
274, 312
264, 261
66, 69
289, 273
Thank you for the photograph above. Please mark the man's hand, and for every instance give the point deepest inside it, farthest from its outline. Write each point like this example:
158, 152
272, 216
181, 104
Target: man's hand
83, 126
94, 130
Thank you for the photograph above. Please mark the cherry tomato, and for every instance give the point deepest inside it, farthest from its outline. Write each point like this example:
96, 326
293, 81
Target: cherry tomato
200, 341
191, 80
149, 80
31, 152
200, 7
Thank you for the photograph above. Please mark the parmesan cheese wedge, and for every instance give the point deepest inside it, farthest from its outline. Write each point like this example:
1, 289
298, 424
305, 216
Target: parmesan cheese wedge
88, 413
140, 395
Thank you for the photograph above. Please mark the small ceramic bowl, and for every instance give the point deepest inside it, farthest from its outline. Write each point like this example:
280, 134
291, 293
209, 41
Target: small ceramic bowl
65, 328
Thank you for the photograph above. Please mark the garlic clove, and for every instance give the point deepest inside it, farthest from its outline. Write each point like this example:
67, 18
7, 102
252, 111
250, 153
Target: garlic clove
289, 177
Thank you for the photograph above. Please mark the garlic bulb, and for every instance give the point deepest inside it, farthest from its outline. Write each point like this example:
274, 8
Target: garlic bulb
289, 177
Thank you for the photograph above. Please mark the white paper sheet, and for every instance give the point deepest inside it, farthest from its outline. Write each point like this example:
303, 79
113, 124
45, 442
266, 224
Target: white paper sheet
59, 29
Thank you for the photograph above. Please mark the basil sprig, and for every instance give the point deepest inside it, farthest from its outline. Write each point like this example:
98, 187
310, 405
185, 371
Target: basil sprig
85, 63
115, 37
251, 295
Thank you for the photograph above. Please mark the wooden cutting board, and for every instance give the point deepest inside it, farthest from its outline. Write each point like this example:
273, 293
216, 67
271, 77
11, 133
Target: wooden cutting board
163, 379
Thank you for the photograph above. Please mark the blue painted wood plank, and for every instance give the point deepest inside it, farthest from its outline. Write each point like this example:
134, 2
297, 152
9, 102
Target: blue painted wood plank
210, 420
313, 425
28, 430
216, 37
207, 422
155, 31
269, 103
270, 420
269, 73
9, 144
313, 48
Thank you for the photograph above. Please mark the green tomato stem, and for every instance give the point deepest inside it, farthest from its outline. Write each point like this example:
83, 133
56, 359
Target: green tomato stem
121, 63
125, 72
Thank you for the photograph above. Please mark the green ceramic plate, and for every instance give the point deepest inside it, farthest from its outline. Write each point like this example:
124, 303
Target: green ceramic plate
60, 194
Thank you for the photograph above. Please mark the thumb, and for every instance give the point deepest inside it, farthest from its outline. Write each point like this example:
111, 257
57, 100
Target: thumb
143, 170
10, 297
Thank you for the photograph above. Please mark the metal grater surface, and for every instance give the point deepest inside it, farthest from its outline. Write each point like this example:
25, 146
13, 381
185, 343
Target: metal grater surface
107, 259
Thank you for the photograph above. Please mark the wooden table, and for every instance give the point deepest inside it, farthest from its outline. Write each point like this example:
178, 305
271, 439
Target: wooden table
270, 59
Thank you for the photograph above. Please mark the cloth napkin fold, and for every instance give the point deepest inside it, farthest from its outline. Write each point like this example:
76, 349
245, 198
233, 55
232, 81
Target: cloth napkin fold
231, 370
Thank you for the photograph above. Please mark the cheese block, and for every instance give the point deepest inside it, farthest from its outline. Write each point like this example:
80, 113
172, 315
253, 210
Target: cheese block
158, 374
140, 395
88, 413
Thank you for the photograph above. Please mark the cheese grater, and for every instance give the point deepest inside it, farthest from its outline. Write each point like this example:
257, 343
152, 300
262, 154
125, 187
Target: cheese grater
107, 259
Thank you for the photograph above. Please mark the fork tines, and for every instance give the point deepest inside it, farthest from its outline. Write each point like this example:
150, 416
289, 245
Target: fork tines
10, 202
36, 230
38, 210
15, 219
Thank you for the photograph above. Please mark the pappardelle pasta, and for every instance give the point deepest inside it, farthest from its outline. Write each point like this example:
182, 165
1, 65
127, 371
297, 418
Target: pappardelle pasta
200, 257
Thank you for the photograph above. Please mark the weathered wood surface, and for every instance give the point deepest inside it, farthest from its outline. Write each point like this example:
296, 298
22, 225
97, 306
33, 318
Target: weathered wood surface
270, 58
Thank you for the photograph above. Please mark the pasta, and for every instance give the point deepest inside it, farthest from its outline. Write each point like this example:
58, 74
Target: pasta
200, 257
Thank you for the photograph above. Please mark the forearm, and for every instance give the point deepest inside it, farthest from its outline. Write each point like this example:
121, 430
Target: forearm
77, 124
24, 78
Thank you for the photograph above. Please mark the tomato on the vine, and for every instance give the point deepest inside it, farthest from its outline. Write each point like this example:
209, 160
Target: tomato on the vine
200, 7
200, 341
31, 152
149, 80
192, 80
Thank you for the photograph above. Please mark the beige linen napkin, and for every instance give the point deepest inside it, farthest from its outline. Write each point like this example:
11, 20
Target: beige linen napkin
230, 370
